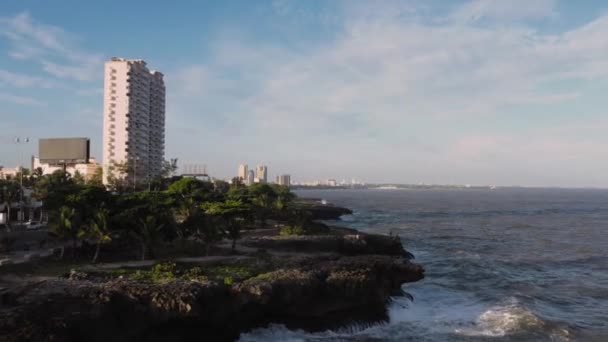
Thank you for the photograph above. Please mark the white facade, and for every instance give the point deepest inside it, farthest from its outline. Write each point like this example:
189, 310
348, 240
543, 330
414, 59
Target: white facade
261, 173
284, 180
243, 172
86, 170
9, 172
133, 118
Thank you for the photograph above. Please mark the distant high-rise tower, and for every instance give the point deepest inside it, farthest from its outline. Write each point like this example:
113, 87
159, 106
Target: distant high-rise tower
284, 180
250, 177
261, 173
243, 172
133, 118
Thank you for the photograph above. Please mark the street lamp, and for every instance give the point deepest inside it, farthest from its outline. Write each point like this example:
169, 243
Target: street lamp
20, 141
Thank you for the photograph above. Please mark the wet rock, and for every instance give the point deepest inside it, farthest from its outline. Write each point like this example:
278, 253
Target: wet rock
349, 244
327, 212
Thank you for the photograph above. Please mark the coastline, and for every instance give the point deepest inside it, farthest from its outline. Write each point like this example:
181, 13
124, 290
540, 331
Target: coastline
311, 282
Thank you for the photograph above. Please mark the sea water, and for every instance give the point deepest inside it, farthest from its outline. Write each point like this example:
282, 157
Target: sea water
510, 264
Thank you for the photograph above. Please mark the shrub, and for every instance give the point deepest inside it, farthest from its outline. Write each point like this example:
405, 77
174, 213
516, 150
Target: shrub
232, 272
158, 273
194, 274
293, 230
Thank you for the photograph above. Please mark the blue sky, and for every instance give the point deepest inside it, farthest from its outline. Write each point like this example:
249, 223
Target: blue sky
460, 92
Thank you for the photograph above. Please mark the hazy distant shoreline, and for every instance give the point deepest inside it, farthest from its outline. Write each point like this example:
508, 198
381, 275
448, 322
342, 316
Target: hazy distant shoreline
436, 187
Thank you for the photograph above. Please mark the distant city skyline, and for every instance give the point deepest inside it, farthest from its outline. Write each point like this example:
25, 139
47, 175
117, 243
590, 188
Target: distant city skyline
415, 91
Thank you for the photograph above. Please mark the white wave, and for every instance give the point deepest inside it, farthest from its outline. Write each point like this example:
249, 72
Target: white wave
348, 218
503, 320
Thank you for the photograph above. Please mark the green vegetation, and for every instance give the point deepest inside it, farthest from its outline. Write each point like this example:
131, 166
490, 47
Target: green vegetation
169, 271
170, 211
9, 193
158, 274
293, 230
299, 222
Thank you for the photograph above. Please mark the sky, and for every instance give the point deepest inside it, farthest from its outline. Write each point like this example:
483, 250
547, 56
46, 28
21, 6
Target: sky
484, 92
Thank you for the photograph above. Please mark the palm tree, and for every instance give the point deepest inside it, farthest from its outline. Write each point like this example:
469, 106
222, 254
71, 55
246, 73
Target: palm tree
37, 173
98, 230
67, 227
169, 168
147, 234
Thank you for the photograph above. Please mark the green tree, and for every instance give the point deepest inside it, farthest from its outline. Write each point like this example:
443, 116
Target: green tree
237, 182
284, 197
148, 234
263, 197
37, 173
67, 227
78, 178
186, 187
9, 193
127, 211
97, 231
220, 187
53, 184
117, 177
169, 168
207, 229
233, 214
97, 178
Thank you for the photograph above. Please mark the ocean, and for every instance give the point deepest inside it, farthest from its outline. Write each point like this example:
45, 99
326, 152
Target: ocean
510, 264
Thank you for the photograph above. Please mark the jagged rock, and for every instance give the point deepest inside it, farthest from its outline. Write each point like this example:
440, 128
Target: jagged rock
315, 293
327, 212
349, 244
325, 281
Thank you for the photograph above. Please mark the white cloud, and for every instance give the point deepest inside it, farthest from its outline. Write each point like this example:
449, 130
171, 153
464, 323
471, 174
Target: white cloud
505, 10
24, 81
51, 46
81, 72
21, 100
396, 85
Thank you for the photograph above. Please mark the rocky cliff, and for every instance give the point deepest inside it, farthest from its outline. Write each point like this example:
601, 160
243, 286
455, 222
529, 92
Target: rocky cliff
350, 282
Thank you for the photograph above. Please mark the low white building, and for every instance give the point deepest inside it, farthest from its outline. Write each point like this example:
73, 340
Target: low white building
86, 170
8, 172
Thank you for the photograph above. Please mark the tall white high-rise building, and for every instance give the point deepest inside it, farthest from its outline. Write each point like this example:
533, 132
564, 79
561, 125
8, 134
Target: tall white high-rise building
243, 172
133, 119
261, 173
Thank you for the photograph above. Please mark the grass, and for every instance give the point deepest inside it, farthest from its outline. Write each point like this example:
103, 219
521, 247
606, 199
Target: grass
169, 271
